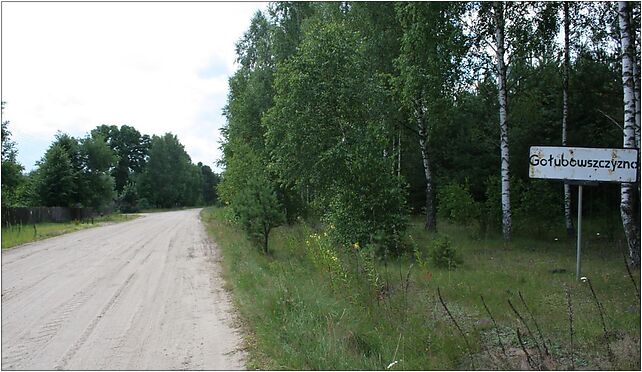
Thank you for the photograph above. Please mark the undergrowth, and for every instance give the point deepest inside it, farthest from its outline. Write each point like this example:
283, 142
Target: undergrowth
312, 305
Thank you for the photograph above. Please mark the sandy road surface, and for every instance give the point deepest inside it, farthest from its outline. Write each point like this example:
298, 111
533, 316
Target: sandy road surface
144, 294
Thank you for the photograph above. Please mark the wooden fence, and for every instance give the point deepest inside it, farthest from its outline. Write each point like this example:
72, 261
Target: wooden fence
32, 215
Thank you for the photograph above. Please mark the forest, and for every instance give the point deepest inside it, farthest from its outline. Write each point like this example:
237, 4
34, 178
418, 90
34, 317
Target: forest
375, 209
361, 115
110, 168
379, 212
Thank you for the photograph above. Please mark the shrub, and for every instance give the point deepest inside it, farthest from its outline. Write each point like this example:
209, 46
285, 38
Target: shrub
143, 203
129, 200
443, 255
539, 204
258, 209
371, 212
456, 203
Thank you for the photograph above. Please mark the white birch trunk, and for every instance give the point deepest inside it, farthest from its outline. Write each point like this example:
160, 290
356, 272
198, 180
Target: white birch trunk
634, 42
565, 75
628, 190
636, 76
431, 221
503, 120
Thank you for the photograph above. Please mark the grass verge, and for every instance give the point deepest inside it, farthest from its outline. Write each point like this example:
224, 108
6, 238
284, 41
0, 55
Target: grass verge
311, 306
20, 234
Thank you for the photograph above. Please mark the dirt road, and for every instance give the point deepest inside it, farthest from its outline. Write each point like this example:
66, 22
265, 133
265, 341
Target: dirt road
144, 294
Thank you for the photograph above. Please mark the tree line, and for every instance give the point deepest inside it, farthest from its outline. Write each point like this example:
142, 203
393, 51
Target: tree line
362, 114
110, 167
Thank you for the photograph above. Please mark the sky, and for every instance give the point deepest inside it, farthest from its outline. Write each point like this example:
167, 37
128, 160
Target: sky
159, 67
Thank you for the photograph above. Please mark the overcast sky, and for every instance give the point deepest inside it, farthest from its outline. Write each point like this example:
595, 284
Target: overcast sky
159, 67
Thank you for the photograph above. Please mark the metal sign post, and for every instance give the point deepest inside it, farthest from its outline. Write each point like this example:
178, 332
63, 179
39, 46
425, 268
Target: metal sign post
579, 231
585, 166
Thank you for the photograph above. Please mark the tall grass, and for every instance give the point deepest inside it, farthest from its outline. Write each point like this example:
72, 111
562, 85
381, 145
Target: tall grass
14, 235
299, 316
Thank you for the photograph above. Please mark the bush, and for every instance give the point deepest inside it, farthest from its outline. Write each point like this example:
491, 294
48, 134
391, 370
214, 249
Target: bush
538, 204
258, 209
143, 203
370, 210
443, 255
456, 204
128, 200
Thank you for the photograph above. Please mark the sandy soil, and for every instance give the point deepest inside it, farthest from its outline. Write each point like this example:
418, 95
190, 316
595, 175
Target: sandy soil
144, 294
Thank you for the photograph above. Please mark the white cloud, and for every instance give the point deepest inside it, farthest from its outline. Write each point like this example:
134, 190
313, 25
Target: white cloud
159, 67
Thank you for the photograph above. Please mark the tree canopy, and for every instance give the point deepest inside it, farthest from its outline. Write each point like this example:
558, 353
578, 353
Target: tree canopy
361, 113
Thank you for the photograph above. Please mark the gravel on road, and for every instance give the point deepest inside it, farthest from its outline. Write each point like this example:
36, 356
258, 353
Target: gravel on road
143, 294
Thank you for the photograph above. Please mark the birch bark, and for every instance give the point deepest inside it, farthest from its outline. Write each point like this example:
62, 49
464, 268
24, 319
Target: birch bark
431, 220
636, 76
565, 74
628, 190
634, 45
503, 119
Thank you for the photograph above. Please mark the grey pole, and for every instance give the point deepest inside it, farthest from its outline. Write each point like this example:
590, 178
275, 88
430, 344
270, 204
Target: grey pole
579, 230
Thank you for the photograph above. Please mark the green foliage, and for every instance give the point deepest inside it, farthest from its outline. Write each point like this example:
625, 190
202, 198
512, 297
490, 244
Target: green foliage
456, 203
74, 173
250, 194
210, 182
418, 254
368, 261
98, 183
369, 213
432, 47
321, 251
332, 99
99, 157
258, 209
170, 179
128, 200
492, 211
131, 149
327, 116
93, 171
56, 178
12, 179
443, 255
100, 190
11, 170
537, 206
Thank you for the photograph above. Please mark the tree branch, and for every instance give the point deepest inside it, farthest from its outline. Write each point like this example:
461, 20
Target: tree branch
610, 118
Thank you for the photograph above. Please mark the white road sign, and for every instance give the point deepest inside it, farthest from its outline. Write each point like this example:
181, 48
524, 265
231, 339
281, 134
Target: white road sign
583, 164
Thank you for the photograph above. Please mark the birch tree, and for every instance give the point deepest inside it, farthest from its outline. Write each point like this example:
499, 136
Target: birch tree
505, 32
325, 129
431, 50
565, 74
628, 190
634, 31
500, 66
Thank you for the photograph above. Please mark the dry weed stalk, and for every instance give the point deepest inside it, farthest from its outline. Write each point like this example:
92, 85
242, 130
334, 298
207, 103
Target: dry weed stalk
499, 338
530, 333
628, 270
600, 310
530, 361
569, 307
539, 331
463, 335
